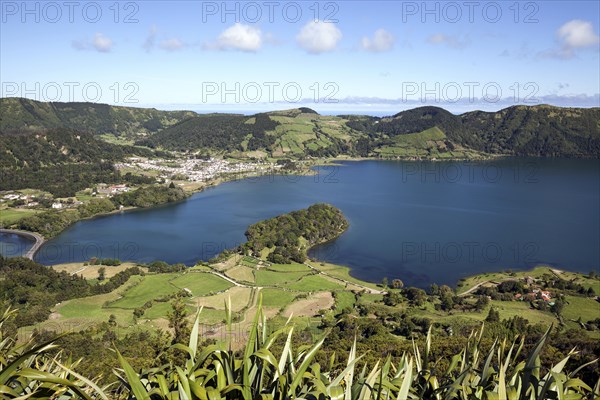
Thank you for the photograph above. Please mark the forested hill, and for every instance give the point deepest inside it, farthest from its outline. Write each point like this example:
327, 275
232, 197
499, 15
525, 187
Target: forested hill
289, 236
216, 131
60, 161
25, 114
424, 132
543, 130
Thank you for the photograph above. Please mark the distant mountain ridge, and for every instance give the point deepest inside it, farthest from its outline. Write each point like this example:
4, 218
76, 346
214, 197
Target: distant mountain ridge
20, 114
423, 132
539, 131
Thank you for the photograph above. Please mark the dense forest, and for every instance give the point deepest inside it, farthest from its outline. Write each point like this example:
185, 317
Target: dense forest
25, 114
290, 235
61, 161
538, 131
215, 131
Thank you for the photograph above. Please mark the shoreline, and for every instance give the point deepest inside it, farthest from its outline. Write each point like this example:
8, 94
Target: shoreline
36, 237
311, 167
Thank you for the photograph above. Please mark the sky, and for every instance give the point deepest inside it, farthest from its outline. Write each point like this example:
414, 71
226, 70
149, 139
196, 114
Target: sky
375, 57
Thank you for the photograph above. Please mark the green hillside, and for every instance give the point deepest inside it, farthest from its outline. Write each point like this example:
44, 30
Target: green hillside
60, 161
538, 131
289, 133
25, 114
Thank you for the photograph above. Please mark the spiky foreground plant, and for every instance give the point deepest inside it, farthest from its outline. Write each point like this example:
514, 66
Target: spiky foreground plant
217, 372
27, 372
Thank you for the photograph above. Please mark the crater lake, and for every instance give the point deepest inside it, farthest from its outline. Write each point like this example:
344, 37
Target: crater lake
421, 222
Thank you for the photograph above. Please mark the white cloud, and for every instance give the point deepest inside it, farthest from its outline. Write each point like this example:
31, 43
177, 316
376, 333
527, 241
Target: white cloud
172, 44
99, 42
448, 40
382, 41
238, 37
572, 36
102, 43
168, 44
577, 34
319, 37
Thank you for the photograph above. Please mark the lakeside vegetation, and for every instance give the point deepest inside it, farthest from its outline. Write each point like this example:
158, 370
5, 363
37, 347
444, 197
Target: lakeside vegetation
51, 223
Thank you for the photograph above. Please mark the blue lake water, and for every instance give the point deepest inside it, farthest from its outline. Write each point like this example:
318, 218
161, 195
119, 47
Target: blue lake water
422, 222
14, 245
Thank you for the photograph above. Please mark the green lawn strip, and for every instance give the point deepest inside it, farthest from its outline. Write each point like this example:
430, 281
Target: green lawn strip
369, 298
249, 261
344, 300
273, 278
92, 307
509, 309
150, 288
161, 310
289, 267
9, 216
241, 273
585, 307
200, 267
313, 283
201, 284
277, 298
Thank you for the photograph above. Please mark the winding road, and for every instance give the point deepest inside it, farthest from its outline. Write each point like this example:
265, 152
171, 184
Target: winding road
39, 240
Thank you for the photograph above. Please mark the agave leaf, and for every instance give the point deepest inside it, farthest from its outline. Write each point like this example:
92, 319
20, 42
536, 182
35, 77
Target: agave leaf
133, 380
266, 355
406, 383
193, 345
583, 366
285, 355
183, 385
88, 382
251, 347
6, 390
299, 375
9, 370
210, 350
350, 374
162, 384
367, 387
347, 375
485, 373
198, 391
335, 392
577, 383
531, 369
502, 386
183, 347
45, 376
427, 349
